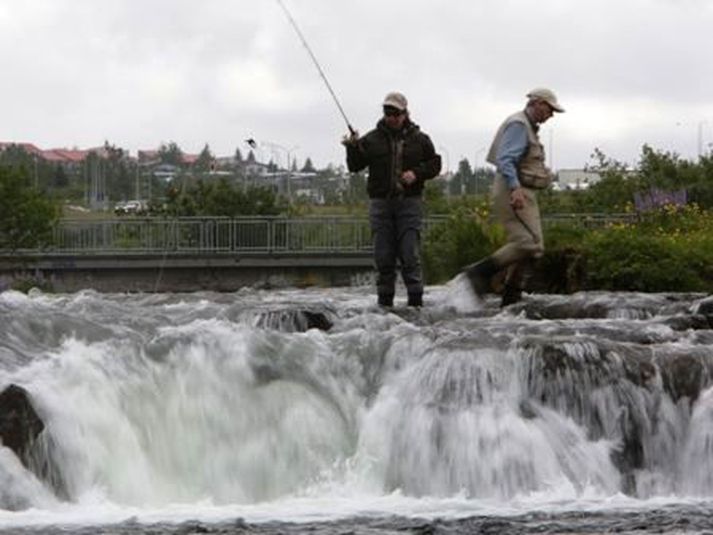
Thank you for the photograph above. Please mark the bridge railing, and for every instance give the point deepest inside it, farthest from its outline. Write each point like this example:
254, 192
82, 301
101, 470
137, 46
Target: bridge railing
213, 235
216, 235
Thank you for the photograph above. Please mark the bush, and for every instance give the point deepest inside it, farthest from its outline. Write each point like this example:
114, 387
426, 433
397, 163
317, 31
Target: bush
670, 249
26, 216
465, 237
619, 259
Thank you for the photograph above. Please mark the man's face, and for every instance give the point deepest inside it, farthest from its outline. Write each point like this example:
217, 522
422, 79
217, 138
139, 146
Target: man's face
393, 117
541, 111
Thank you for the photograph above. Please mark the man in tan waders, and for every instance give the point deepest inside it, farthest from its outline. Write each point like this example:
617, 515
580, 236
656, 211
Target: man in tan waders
519, 158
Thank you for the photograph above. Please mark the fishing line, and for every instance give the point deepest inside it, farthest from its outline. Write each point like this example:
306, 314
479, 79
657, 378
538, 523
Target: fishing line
316, 64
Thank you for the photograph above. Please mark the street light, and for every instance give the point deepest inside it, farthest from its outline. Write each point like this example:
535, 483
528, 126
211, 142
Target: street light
475, 166
700, 138
448, 159
288, 155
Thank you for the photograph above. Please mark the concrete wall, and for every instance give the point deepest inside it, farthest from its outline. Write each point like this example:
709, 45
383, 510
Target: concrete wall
185, 273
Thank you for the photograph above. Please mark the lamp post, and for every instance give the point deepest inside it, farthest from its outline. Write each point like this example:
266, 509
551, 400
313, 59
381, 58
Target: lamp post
448, 159
700, 138
475, 166
288, 156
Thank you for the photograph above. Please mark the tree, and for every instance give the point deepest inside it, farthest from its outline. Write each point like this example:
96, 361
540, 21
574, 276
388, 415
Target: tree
308, 167
238, 156
220, 198
205, 159
26, 216
460, 183
60, 179
170, 153
251, 157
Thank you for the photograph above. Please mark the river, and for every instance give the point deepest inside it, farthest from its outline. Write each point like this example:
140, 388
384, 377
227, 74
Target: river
227, 413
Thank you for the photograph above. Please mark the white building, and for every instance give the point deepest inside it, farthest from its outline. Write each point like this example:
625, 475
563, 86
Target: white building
576, 179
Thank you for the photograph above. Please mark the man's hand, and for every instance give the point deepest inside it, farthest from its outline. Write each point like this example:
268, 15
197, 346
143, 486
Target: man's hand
517, 198
351, 139
408, 177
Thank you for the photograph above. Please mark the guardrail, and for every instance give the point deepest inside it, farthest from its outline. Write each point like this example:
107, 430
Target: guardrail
267, 235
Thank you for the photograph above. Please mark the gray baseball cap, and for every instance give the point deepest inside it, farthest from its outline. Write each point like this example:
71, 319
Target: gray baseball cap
396, 100
548, 96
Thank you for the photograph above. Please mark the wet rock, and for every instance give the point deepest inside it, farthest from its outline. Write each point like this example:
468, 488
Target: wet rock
688, 322
683, 375
569, 309
705, 308
19, 422
585, 377
294, 320
317, 320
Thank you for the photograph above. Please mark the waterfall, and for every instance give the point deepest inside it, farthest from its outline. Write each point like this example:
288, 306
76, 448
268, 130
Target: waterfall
150, 401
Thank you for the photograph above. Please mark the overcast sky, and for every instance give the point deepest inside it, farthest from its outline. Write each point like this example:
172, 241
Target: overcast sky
141, 72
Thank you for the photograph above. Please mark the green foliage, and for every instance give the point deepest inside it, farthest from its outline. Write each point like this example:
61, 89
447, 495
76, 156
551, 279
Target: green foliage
660, 170
465, 237
205, 160
667, 250
26, 216
434, 197
170, 153
220, 198
620, 260
308, 167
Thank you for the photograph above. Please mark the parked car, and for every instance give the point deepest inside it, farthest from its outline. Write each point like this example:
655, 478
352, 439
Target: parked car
133, 207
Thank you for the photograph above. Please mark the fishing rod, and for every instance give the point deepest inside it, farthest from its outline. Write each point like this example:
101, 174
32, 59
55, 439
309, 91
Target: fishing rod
316, 64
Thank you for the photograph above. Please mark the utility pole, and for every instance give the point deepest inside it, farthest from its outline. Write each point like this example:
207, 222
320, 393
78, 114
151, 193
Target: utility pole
700, 138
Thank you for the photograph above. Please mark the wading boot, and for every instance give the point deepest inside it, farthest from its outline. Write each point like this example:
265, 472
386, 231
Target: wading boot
386, 300
511, 295
415, 299
479, 275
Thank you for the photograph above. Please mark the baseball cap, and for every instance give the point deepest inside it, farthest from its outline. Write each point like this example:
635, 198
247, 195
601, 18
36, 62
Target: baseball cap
396, 100
548, 96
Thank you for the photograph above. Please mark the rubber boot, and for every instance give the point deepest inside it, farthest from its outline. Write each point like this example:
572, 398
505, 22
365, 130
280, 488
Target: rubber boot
415, 299
479, 275
511, 295
386, 300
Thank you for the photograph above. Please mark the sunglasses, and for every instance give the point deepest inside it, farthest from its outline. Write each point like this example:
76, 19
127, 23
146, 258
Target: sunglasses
392, 112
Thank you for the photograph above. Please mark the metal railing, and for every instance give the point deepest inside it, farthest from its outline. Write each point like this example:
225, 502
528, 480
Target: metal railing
214, 235
266, 235
589, 220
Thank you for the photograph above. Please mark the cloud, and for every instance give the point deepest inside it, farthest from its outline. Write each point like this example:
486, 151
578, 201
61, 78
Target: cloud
142, 72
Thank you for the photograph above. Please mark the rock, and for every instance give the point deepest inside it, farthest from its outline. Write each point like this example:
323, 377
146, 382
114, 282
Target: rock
705, 308
682, 375
317, 320
294, 320
19, 422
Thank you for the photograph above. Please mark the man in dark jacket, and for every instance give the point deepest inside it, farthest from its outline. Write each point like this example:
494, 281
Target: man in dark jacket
400, 158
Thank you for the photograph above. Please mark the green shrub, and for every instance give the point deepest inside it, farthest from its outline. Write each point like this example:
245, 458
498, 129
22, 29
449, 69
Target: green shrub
618, 259
465, 237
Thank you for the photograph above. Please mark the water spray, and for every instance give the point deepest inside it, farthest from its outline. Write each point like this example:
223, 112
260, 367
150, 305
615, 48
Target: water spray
316, 64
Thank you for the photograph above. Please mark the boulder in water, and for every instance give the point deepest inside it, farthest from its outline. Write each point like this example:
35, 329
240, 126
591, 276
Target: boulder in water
705, 307
19, 422
294, 320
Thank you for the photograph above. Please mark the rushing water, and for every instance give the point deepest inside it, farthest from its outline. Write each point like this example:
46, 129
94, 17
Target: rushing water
224, 413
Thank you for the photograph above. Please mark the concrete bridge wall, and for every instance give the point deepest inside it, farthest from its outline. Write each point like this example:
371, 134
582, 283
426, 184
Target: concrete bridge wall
185, 273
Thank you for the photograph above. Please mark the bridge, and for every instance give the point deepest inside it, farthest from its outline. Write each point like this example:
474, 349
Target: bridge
213, 253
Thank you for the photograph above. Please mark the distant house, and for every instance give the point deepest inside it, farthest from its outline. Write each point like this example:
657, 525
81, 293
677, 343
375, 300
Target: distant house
148, 157
70, 159
29, 148
577, 179
256, 169
189, 159
165, 171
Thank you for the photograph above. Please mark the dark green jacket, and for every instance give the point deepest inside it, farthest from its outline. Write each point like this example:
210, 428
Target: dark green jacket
376, 150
